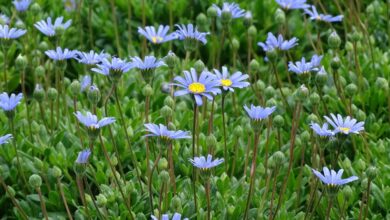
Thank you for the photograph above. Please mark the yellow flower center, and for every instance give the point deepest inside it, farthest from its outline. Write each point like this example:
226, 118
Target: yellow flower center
344, 129
226, 82
156, 39
196, 87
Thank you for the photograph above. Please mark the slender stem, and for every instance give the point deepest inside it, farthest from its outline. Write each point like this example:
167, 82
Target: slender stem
11, 122
52, 116
208, 189
23, 76
129, 34
235, 156
151, 178
115, 22
42, 113
221, 47
252, 174
193, 154
77, 121
224, 131
15, 203
273, 191
143, 51
64, 198
5, 53
247, 154
90, 29
80, 187
147, 104
43, 205
329, 209
264, 194
171, 167
267, 144
279, 82
93, 199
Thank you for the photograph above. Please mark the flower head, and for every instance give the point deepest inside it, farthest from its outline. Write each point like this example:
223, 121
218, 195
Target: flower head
233, 8
163, 132
4, 139
83, 156
149, 62
157, 37
8, 103
190, 32
314, 15
21, 5
273, 43
49, 29
60, 55
344, 126
205, 85
4, 19
303, 67
205, 164
114, 67
91, 121
91, 57
7, 33
86, 82
292, 4
176, 216
321, 131
333, 179
257, 113
230, 82
70, 5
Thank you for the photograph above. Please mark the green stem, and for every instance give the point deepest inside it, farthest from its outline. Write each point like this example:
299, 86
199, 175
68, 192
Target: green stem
11, 121
224, 131
64, 198
193, 154
43, 205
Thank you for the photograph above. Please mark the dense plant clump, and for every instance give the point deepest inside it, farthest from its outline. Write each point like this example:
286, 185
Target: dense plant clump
141, 109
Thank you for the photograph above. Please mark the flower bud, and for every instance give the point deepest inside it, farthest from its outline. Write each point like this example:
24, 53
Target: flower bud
351, 90
20, 24
254, 67
75, 88
360, 164
238, 131
235, 44
171, 126
279, 158
321, 78
176, 204
201, 20
52, 94
147, 90
305, 136
259, 85
312, 118
314, 98
334, 40
271, 102
252, 31
21, 62
35, 181
347, 192
114, 160
171, 60
38, 163
212, 12
211, 141
361, 116
372, 172
349, 46
35, 8
302, 93
269, 92
356, 36
43, 46
248, 19
168, 101
141, 216
93, 95
199, 66
101, 200
226, 16
163, 164
272, 55
164, 176
280, 16
364, 184
60, 30
39, 93
166, 111
56, 172
278, 121
382, 83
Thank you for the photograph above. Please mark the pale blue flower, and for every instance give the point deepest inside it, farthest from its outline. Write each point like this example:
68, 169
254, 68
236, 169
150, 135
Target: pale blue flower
163, 132
113, 66
4, 139
230, 82
8, 103
149, 63
321, 131
60, 55
233, 8
91, 57
303, 67
21, 5
7, 33
190, 32
86, 82
91, 121
258, 113
273, 43
49, 29
205, 164
159, 36
176, 216
292, 4
333, 179
344, 126
205, 85
83, 156
314, 15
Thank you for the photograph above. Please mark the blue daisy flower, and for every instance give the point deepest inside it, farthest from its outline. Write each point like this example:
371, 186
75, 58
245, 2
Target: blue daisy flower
344, 126
91, 57
314, 15
176, 216
149, 63
91, 121
205, 164
159, 36
21, 5
163, 132
258, 113
273, 43
233, 8
114, 67
83, 156
191, 33
230, 82
303, 67
292, 4
8, 103
4, 139
321, 131
7, 33
333, 179
86, 82
48, 28
205, 85
61, 55
4, 19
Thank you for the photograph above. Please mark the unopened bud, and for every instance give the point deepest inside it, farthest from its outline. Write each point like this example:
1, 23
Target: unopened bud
35, 181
